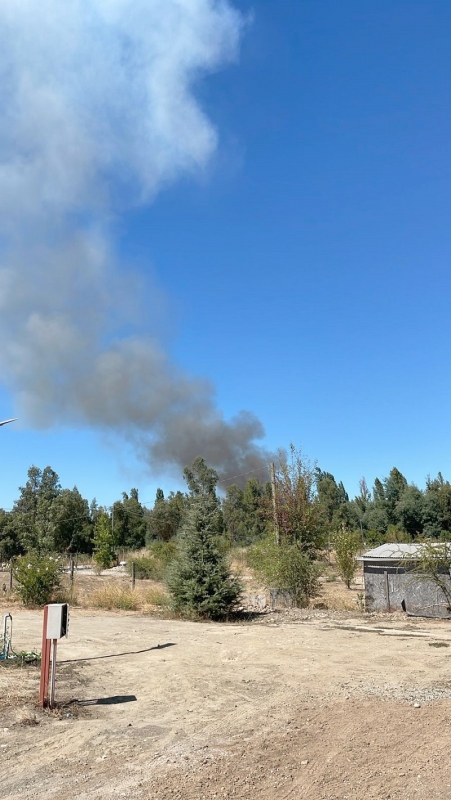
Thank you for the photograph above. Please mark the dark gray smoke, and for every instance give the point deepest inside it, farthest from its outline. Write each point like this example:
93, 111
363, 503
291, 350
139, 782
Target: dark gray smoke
98, 112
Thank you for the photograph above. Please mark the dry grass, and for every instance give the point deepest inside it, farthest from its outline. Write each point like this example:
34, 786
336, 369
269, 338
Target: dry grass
17, 686
334, 595
142, 598
27, 717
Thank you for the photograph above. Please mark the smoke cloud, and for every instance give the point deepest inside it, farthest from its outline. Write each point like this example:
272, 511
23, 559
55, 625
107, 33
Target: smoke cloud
98, 113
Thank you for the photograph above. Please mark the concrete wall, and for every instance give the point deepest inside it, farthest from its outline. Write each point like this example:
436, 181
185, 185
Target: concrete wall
387, 586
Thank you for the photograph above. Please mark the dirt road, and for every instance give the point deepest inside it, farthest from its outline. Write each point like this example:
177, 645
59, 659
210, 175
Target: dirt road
326, 708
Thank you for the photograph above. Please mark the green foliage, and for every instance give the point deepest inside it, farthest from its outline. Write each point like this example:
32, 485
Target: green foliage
104, 544
10, 545
199, 579
129, 522
32, 513
374, 538
72, 523
146, 568
434, 563
164, 552
396, 533
165, 519
37, 577
287, 567
245, 512
152, 565
332, 497
309, 504
409, 511
346, 544
300, 517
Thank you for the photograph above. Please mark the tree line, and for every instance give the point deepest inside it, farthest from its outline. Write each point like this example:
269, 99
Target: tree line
305, 508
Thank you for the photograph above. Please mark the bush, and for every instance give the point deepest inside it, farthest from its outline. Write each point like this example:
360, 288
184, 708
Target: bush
164, 552
37, 577
146, 568
153, 563
286, 567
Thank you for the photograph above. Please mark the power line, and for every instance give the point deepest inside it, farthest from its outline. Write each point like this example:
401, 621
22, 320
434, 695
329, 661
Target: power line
242, 474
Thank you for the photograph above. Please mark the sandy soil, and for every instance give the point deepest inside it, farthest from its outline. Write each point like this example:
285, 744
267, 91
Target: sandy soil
322, 706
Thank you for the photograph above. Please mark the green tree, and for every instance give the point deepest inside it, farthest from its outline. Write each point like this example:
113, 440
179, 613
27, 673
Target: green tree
235, 518
130, 525
10, 545
409, 511
346, 544
245, 512
394, 487
165, 519
72, 523
434, 564
200, 579
330, 494
300, 517
256, 500
32, 512
437, 511
104, 542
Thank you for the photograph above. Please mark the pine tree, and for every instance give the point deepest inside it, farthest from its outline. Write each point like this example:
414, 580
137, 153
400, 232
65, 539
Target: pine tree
200, 580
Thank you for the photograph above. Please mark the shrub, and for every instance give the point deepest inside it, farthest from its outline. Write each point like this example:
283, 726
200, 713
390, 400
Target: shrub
286, 567
164, 552
153, 563
146, 567
37, 577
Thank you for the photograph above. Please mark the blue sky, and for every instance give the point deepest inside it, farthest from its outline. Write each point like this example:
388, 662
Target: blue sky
305, 271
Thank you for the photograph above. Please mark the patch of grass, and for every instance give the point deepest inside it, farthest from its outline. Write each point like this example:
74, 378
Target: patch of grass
155, 596
111, 596
67, 594
438, 644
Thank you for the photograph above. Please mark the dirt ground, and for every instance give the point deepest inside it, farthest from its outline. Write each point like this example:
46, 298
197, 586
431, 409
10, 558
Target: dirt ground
317, 704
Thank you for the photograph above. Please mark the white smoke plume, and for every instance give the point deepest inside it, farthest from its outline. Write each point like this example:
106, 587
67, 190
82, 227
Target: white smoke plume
98, 113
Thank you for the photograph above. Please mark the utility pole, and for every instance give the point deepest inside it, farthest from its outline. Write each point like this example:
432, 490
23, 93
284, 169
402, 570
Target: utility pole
272, 472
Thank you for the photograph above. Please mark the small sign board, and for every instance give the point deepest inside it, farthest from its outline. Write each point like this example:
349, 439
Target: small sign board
57, 620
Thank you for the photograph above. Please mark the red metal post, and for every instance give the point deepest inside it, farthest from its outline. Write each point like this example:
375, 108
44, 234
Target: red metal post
45, 663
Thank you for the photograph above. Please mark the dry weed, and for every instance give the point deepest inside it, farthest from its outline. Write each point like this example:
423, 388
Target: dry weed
16, 688
111, 596
27, 717
141, 598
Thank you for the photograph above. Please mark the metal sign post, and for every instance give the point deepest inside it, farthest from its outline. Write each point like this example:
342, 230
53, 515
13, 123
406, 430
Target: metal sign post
45, 662
53, 675
55, 625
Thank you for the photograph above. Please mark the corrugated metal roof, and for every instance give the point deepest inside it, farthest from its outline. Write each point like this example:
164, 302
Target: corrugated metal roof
396, 551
